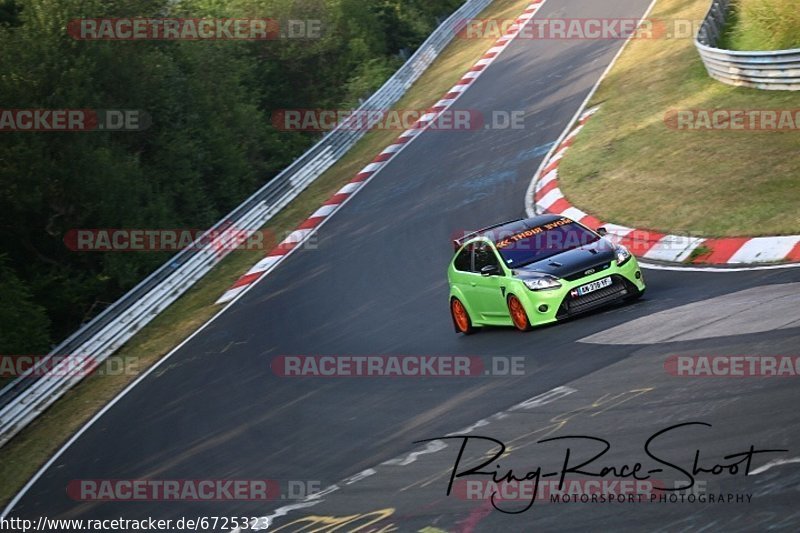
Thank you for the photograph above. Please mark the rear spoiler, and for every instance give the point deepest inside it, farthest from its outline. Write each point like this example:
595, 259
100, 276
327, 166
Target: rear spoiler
458, 242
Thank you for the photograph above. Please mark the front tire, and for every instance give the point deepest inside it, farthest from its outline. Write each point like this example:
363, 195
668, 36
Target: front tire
518, 315
635, 294
461, 319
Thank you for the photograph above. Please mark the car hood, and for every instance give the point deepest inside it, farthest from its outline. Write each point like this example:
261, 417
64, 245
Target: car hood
571, 264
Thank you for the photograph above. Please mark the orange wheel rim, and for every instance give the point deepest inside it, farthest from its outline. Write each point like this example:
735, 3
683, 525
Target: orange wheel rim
518, 313
460, 314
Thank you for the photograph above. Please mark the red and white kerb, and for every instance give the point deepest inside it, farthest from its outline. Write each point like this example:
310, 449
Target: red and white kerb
651, 244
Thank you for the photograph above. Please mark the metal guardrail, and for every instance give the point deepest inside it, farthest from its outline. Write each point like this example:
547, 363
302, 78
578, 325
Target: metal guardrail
777, 70
26, 397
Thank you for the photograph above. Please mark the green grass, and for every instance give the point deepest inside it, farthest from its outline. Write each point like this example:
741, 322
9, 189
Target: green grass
762, 25
21, 457
700, 251
629, 168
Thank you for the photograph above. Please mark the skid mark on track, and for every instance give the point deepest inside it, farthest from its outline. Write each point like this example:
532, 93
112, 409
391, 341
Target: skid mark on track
485, 178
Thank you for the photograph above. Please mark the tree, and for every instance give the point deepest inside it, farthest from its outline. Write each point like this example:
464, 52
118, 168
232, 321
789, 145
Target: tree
23, 324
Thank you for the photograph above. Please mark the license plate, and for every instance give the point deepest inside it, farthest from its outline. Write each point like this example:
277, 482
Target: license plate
593, 286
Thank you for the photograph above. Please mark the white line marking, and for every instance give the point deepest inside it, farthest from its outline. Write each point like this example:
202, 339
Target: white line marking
361, 475
431, 447
544, 398
281, 511
776, 462
323, 492
479, 424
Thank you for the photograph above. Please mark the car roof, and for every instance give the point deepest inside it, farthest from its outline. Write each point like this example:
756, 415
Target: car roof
505, 228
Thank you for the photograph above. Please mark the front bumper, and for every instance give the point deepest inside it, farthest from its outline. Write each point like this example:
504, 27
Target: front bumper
549, 306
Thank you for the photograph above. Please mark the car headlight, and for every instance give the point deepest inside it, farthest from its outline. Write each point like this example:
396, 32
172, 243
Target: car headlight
622, 255
542, 284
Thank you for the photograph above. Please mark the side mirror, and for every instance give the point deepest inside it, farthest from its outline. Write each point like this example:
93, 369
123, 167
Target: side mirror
490, 270
602, 231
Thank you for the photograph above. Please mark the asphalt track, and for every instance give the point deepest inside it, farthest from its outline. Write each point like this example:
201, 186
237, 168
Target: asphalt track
376, 285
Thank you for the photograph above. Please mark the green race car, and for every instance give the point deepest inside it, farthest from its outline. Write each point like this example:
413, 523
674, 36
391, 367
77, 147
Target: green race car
531, 272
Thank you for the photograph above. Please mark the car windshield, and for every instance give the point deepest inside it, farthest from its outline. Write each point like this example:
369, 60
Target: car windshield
540, 242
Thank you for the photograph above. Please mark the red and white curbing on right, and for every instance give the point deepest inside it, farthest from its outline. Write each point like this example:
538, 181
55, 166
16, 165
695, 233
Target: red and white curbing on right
646, 244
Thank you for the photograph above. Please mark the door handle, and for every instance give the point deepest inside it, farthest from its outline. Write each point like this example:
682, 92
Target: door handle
473, 283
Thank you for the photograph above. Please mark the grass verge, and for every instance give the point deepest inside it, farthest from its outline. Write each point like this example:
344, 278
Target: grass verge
31, 448
629, 167
762, 25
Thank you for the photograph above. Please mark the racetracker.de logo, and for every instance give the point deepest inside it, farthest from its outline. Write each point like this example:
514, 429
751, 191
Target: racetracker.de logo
555, 491
39, 120
393, 366
36, 366
395, 119
167, 240
733, 119
732, 366
173, 489
569, 29
173, 29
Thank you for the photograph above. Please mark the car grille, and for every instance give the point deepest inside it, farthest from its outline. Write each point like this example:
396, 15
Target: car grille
573, 305
582, 273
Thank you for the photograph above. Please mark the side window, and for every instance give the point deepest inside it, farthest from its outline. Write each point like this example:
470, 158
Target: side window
484, 255
463, 260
